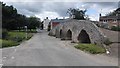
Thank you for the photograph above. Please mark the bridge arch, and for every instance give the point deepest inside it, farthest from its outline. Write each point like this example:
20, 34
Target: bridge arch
83, 37
69, 35
74, 30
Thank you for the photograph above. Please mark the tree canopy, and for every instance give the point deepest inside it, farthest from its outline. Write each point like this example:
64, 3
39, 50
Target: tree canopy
114, 13
11, 20
77, 13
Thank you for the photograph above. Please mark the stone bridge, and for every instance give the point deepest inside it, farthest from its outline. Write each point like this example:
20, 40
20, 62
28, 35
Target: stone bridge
81, 31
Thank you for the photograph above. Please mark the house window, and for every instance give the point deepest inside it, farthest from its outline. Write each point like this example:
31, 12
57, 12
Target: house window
105, 21
114, 21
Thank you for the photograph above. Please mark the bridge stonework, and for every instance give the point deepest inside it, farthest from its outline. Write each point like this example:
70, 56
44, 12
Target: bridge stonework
82, 31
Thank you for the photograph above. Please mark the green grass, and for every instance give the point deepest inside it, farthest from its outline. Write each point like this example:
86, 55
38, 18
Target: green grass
92, 48
29, 31
18, 36
7, 43
14, 38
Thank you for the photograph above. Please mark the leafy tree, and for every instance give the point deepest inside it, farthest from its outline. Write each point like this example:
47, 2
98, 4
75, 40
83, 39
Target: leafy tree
114, 13
11, 20
77, 13
8, 16
21, 21
33, 22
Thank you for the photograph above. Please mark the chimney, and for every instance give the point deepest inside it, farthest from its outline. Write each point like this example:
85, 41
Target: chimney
46, 17
56, 18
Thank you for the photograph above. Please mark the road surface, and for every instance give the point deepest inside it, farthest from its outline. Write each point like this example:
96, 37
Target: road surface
44, 50
113, 37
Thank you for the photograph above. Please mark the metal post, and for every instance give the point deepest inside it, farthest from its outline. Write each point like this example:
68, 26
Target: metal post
26, 31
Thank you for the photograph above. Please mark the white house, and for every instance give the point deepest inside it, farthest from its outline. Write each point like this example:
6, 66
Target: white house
46, 22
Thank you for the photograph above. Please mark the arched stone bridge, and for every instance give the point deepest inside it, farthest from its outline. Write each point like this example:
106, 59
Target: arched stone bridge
78, 31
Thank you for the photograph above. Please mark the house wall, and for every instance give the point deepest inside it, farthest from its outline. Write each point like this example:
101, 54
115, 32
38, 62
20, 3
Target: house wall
46, 22
54, 24
111, 22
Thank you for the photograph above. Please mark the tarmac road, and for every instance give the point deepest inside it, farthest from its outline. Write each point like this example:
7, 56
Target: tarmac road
44, 50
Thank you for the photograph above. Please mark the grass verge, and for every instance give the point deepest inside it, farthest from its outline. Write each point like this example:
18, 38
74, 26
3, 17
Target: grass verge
18, 36
14, 38
8, 43
91, 48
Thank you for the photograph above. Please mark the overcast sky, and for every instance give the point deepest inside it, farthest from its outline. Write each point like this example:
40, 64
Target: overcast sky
53, 9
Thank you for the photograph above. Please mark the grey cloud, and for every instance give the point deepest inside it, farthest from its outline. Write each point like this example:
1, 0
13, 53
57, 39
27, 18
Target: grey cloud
28, 7
108, 4
59, 7
38, 7
102, 4
32, 8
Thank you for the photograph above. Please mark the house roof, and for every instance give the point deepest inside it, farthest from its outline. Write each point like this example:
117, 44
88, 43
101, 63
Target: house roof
115, 16
117, 9
109, 17
58, 20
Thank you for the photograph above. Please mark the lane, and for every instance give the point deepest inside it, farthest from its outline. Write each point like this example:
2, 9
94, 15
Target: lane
43, 50
113, 37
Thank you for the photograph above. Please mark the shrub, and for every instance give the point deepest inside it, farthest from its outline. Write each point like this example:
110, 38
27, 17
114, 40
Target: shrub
115, 28
94, 49
4, 33
32, 31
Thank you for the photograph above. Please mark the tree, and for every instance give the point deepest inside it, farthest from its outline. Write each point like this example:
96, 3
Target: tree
11, 20
77, 13
33, 22
114, 13
21, 21
8, 16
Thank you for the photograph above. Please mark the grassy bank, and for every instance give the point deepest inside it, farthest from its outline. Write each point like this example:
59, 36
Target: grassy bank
91, 48
14, 38
18, 36
8, 43
28, 31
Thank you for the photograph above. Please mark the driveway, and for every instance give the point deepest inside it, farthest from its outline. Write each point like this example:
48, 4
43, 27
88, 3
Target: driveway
44, 50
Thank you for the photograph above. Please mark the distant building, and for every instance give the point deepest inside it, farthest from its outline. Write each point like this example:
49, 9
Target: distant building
46, 22
96, 23
112, 19
55, 22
